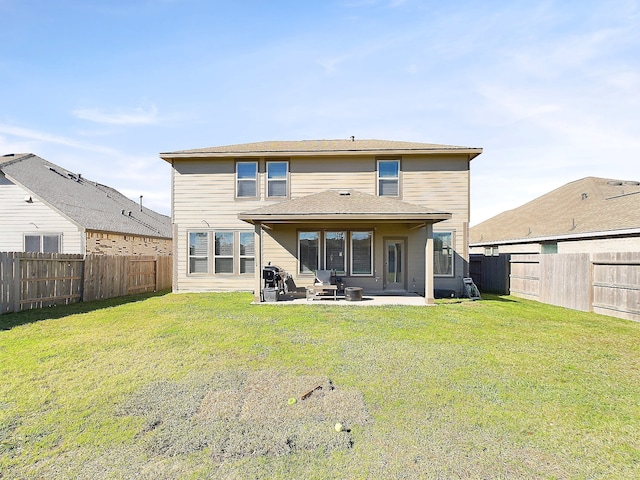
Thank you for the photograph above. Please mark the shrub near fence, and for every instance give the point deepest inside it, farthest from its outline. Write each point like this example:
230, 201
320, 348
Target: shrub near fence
35, 280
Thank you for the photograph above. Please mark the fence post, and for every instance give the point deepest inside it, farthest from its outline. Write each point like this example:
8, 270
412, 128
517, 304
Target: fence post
155, 266
591, 285
17, 283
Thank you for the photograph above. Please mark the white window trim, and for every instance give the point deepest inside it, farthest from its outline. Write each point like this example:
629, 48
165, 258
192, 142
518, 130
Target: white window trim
208, 256
286, 179
491, 251
41, 235
300, 272
232, 256
351, 273
344, 250
255, 179
241, 256
453, 255
378, 177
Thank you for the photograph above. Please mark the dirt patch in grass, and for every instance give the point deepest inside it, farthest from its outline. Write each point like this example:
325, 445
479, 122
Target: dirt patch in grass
246, 414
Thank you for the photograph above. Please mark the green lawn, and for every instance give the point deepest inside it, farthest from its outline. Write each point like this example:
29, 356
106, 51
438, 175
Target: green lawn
198, 386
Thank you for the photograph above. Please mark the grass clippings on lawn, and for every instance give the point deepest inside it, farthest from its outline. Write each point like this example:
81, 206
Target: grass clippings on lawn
246, 414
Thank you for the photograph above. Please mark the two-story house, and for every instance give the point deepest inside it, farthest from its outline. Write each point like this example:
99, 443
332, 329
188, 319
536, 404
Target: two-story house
387, 216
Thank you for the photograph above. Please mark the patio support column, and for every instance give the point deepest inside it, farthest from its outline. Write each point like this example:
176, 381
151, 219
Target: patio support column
428, 266
257, 246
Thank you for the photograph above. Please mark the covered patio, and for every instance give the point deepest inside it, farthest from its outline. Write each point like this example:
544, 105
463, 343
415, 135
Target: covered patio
350, 210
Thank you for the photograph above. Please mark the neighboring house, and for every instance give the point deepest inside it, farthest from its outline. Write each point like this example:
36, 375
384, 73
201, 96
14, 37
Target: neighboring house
386, 216
45, 208
591, 215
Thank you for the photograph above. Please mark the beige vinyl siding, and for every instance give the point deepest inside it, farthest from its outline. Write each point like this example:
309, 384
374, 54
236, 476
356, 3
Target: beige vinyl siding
208, 282
445, 188
205, 190
442, 183
280, 247
314, 175
628, 244
595, 245
37, 218
524, 248
204, 199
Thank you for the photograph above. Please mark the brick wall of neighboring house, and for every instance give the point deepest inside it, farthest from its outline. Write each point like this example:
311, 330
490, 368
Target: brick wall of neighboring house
99, 243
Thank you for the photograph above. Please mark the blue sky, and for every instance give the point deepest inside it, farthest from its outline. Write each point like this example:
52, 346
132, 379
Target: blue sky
549, 89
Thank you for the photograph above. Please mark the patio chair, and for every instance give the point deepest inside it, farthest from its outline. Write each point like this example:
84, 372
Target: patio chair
323, 277
322, 285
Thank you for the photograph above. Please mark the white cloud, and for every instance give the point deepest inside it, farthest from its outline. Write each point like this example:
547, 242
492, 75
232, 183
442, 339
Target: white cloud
35, 137
132, 175
331, 64
136, 116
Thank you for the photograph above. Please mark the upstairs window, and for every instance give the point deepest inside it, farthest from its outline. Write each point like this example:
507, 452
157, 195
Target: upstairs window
388, 178
277, 174
42, 243
247, 179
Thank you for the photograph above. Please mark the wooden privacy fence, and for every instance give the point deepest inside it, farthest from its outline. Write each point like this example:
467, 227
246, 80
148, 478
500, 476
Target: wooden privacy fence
607, 283
490, 274
35, 280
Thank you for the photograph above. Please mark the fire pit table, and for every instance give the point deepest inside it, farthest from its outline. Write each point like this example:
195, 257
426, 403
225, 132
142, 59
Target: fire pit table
353, 294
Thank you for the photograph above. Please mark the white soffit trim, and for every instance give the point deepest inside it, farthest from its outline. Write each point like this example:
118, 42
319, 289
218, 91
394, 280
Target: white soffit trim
572, 236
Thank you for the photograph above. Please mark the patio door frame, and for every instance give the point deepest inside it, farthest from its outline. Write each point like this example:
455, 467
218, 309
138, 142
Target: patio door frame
400, 283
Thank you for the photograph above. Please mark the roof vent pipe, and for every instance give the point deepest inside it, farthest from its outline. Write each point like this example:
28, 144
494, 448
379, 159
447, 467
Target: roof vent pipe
140, 202
353, 138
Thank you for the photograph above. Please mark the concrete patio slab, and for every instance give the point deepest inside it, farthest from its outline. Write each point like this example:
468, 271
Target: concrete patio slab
368, 300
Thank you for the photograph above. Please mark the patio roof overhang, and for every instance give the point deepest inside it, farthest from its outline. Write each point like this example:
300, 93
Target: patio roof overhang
344, 207
411, 220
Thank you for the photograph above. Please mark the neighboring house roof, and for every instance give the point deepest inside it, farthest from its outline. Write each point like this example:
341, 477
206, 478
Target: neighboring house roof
342, 205
585, 208
87, 203
322, 147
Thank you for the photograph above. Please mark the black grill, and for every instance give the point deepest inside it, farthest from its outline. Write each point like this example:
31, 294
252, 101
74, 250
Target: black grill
273, 277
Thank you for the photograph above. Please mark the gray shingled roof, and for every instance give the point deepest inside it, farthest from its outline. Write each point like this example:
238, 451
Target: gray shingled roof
584, 207
343, 204
87, 203
323, 147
